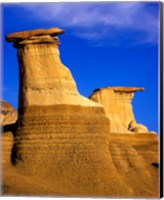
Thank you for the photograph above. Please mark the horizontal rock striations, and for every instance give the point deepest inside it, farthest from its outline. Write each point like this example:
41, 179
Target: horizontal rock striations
117, 102
61, 136
8, 117
136, 158
8, 114
66, 144
7, 142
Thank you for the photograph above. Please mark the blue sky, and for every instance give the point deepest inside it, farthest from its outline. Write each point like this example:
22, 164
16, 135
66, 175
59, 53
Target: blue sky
105, 44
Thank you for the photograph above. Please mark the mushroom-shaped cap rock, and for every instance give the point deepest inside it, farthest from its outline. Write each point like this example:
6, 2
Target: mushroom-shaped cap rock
26, 34
127, 89
122, 89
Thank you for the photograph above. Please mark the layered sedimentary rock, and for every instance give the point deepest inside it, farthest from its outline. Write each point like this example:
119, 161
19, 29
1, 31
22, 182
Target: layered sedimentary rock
8, 117
63, 143
8, 114
61, 136
7, 141
117, 102
136, 158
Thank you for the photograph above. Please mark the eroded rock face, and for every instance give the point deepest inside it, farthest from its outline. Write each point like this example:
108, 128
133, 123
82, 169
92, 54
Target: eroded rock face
8, 117
8, 114
63, 140
7, 142
117, 102
137, 128
44, 79
60, 137
108, 99
136, 158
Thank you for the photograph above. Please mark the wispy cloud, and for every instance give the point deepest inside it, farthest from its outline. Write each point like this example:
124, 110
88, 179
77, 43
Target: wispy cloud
133, 22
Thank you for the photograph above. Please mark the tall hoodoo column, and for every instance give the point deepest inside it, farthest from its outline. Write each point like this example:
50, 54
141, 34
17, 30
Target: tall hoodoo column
44, 80
107, 98
61, 135
117, 102
124, 97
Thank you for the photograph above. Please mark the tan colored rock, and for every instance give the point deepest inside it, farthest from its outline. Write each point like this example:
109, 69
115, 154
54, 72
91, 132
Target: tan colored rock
124, 98
140, 129
8, 114
117, 102
38, 32
108, 99
62, 140
7, 141
49, 79
8, 117
136, 158
61, 136
137, 128
127, 89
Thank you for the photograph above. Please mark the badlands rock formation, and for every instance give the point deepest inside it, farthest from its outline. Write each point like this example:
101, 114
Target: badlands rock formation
63, 144
8, 118
8, 114
117, 102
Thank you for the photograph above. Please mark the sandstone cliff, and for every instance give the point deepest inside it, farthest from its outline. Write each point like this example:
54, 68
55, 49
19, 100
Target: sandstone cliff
58, 136
63, 144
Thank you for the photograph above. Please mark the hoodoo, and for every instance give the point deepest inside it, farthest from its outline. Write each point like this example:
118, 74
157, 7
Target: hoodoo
117, 102
133, 148
66, 144
61, 135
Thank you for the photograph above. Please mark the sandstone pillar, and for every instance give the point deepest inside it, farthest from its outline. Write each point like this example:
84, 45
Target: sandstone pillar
61, 136
124, 97
117, 102
108, 99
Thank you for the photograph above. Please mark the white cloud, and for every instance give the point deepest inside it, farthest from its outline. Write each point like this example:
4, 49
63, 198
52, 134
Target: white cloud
136, 22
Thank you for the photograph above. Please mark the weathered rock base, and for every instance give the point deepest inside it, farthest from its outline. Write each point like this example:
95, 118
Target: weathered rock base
128, 168
63, 142
67, 145
136, 158
7, 140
